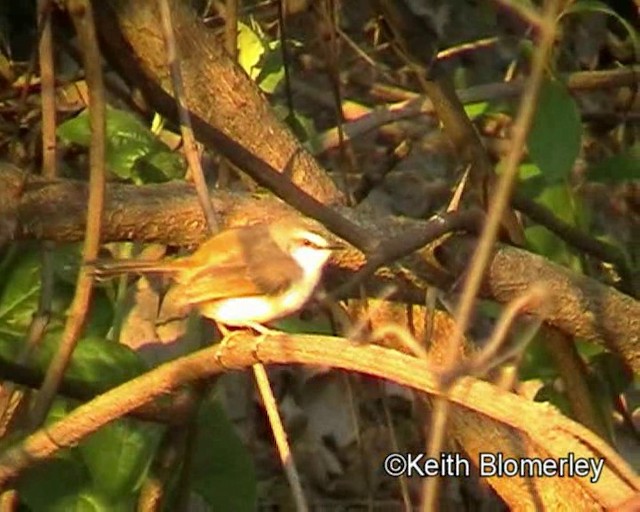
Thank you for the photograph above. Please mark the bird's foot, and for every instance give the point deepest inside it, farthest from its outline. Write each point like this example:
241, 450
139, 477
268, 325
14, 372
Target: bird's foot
228, 335
263, 333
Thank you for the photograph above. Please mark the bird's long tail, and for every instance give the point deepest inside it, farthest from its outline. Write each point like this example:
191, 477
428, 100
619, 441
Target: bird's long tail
112, 268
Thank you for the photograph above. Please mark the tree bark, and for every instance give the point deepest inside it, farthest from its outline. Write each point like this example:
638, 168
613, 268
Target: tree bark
218, 91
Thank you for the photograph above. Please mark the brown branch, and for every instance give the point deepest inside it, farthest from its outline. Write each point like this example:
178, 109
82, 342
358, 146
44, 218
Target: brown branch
412, 104
537, 429
169, 214
169, 411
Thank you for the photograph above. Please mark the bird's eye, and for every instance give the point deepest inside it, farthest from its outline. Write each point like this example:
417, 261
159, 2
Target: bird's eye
308, 243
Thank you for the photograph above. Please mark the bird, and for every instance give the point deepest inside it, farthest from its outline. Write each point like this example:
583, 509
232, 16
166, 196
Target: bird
243, 276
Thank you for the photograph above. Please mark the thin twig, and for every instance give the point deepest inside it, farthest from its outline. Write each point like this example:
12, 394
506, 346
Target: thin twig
484, 360
40, 320
410, 104
497, 206
231, 28
190, 151
600, 249
280, 436
82, 15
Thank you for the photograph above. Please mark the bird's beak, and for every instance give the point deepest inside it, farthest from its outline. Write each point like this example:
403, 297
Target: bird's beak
337, 244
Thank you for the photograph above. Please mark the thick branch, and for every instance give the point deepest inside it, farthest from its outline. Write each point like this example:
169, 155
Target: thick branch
218, 91
170, 214
579, 305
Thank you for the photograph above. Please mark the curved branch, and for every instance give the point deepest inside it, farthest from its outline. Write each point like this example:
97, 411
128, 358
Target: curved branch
536, 429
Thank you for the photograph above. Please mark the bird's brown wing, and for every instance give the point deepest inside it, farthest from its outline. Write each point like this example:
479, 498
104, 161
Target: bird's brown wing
222, 282
237, 263
223, 249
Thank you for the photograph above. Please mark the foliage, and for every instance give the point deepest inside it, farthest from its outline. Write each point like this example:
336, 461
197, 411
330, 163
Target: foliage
259, 57
223, 472
133, 152
555, 137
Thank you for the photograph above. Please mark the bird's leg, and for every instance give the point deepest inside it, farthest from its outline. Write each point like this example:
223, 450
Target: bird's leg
263, 333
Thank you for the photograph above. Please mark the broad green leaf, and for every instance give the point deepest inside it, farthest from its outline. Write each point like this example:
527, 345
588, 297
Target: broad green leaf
595, 6
250, 49
223, 471
90, 500
559, 199
19, 296
618, 168
555, 136
49, 486
259, 57
556, 198
119, 454
272, 69
160, 166
129, 144
100, 316
95, 361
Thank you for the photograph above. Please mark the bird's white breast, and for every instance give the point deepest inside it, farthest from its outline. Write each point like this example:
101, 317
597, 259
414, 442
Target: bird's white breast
241, 311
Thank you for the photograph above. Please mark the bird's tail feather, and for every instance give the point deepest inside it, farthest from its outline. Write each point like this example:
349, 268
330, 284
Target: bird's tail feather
112, 268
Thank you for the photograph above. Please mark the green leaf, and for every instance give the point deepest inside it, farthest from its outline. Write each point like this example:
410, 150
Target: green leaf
555, 136
259, 57
19, 297
49, 486
100, 316
559, 199
618, 168
130, 144
250, 49
474, 110
160, 166
90, 500
223, 471
95, 361
119, 454
272, 72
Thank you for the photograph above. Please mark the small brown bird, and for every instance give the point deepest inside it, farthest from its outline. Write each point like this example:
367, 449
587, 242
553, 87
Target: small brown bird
244, 276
